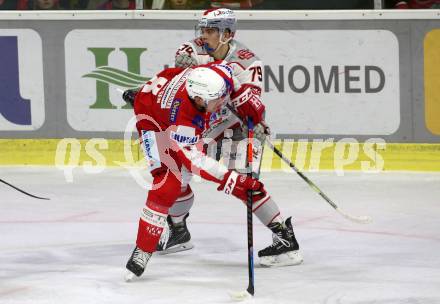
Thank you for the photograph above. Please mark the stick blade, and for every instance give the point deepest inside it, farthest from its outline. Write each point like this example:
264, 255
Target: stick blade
363, 219
240, 296
129, 277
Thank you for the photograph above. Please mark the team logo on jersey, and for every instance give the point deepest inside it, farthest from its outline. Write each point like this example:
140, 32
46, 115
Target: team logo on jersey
245, 54
175, 109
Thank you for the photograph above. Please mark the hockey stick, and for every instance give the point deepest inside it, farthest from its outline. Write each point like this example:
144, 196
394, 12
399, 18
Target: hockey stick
22, 191
358, 219
250, 291
250, 200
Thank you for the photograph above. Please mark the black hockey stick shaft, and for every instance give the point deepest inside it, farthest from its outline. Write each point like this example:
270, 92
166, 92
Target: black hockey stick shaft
305, 178
251, 286
22, 191
358, 219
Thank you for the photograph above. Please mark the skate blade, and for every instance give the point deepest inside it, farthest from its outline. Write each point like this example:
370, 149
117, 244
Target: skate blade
240, 296
129, 276
286, 259
177, 248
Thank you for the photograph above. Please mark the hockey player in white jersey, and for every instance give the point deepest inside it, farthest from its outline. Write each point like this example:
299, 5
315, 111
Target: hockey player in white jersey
216, 30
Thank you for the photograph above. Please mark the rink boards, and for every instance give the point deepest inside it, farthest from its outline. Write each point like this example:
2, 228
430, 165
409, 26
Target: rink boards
357, 90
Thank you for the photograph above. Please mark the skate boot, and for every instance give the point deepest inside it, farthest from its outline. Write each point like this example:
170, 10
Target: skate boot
137, 263
285, 249
175, 237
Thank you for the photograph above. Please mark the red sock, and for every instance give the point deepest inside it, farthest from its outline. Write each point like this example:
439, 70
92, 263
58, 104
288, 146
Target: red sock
151, 225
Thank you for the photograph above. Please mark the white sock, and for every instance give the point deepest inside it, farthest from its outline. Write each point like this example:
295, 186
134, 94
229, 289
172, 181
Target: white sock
177, 219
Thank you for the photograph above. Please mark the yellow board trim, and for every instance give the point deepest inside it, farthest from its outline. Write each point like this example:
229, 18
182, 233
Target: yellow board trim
307, 156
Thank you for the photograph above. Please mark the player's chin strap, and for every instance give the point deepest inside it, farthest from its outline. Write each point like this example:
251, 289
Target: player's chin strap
220, 43
357, 219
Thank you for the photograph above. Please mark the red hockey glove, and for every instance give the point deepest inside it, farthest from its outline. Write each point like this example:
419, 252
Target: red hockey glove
238, 185
253, 108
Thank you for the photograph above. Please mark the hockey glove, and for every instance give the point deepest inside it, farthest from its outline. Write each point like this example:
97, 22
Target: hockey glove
261, 131
184, 61
238, 185
129, 96
253, 108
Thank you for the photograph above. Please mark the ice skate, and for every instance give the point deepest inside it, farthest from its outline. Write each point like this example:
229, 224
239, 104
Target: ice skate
137, 263
175, 238
284, 250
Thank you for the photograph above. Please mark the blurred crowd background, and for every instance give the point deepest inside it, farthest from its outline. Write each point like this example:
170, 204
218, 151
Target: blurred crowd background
205, 4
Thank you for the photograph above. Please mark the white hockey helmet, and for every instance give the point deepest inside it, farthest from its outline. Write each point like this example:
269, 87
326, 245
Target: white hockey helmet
208, 83
220, 18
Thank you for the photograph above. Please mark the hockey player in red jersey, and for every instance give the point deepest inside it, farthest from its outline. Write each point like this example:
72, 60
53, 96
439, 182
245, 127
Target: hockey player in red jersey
215, 42
170, 111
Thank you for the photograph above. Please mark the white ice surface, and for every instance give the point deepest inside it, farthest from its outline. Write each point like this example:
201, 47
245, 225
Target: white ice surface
73, 248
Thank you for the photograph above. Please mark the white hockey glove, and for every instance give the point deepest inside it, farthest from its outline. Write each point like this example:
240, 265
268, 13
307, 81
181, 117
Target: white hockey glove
184, 61
261, 131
